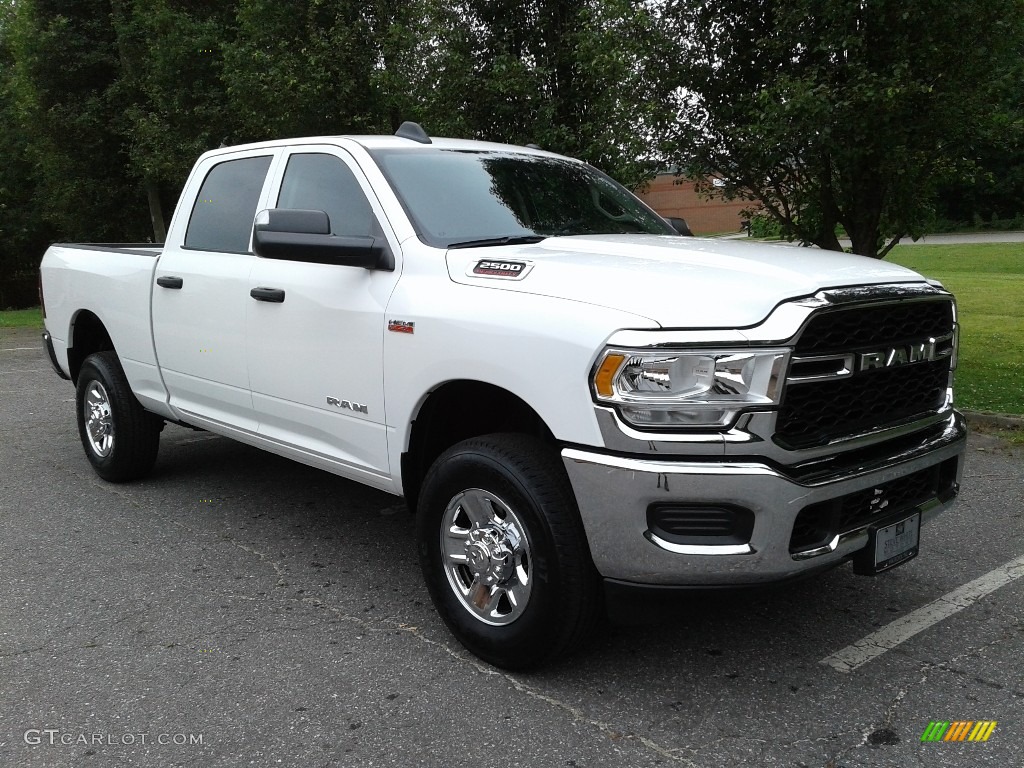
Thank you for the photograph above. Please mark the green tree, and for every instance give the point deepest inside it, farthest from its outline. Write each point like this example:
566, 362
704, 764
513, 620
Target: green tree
303, 68
170, 77
578, 77
995, 187
405, 39
22, 233
835, 113
65, 84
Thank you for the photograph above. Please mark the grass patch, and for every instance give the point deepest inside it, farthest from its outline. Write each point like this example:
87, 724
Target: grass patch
1012, 435
988, 281
21, 318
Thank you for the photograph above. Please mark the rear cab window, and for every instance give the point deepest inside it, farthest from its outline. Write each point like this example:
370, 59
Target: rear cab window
225, 208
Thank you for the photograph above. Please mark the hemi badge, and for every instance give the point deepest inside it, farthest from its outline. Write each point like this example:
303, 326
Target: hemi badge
401, 326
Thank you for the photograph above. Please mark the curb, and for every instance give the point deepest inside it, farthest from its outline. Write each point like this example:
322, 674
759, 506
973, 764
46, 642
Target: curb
1001, 420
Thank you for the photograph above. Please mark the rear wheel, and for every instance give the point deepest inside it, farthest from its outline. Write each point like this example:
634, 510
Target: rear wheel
120, 437
504, 553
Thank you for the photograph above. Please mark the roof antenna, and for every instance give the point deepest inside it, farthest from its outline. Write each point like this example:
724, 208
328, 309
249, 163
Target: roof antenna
413, 131
534, 146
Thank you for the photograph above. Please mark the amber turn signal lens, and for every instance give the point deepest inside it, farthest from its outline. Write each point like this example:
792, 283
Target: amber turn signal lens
605, 374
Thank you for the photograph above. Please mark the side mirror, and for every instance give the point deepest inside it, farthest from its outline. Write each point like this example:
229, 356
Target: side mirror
299, 235
679, 225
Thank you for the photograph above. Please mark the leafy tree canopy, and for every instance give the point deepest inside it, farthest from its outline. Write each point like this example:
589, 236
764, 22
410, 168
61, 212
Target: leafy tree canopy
579, 77
830, 112
22, 233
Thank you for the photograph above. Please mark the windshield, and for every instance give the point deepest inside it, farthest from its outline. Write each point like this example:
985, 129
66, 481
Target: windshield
491, 198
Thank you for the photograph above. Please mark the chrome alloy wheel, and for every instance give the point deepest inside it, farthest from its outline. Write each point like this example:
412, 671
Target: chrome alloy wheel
99, 424
486, 556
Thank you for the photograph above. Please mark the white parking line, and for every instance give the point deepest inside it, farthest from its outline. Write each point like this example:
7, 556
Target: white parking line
19, 349
891, 635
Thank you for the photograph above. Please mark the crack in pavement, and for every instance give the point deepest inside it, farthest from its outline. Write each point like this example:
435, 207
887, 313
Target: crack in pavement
280, 570
927, 669
575, 713
731, 737
948, 666
24, 651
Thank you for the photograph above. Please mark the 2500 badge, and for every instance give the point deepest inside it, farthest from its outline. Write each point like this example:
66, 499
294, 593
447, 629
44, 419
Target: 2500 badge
510, 270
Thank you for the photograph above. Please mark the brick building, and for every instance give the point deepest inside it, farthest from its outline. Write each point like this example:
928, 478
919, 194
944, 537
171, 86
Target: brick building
672, 195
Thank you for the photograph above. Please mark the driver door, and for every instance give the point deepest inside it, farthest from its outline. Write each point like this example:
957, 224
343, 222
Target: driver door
315, 357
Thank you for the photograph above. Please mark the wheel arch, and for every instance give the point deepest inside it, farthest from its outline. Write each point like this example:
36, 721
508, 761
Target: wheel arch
88, 335
456, 411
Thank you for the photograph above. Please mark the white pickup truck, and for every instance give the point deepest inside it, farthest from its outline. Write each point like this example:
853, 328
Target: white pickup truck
574, 399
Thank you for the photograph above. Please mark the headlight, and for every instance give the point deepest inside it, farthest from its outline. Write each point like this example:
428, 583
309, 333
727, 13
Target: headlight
688, 388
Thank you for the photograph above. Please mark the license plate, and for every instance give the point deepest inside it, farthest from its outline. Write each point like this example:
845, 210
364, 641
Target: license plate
890, 545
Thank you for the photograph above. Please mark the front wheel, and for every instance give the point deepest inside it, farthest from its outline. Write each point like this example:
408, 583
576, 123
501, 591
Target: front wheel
120, 437
504, 553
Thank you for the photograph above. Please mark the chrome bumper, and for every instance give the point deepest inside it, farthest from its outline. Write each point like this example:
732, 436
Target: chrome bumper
614, 494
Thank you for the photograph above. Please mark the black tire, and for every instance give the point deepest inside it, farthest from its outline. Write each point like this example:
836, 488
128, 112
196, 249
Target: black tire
123, 439
523, 484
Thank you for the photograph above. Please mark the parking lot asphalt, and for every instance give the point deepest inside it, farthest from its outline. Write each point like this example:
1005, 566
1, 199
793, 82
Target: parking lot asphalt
239, 609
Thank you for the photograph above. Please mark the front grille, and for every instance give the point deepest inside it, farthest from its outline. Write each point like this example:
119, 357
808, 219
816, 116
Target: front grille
819, 523
842, 330
815, 412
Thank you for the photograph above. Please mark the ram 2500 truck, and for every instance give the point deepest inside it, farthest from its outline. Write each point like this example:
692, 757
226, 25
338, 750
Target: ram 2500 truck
573, 398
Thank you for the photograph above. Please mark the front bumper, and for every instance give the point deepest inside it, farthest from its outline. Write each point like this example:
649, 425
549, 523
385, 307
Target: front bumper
614, 494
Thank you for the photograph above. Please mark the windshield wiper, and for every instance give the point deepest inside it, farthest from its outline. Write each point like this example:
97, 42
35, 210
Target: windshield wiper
507, 240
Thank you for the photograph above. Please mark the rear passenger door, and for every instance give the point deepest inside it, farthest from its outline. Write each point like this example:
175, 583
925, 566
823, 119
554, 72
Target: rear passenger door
316, 358
201, 290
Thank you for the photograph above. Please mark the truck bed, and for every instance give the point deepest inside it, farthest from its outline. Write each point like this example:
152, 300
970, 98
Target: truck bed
113, 282
138, 249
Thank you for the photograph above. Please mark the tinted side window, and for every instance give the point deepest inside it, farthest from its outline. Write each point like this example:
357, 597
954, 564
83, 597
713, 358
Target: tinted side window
224, 211
322, 182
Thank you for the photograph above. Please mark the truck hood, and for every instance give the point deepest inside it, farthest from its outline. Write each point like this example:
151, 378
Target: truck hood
677, 282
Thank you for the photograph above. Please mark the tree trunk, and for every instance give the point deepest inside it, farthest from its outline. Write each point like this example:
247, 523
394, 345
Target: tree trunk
864, 240
827, 240
156, 212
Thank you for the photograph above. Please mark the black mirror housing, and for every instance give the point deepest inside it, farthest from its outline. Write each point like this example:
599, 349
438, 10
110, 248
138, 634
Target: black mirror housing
679, 225
304, 235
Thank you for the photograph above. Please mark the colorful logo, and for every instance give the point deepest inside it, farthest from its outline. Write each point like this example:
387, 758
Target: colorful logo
960, 730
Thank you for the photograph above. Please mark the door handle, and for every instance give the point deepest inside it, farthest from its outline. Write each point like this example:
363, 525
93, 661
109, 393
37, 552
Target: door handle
166, 281
274, 295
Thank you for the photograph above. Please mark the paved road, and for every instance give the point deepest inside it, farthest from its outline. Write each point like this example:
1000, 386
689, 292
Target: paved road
276, 614
955, 238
